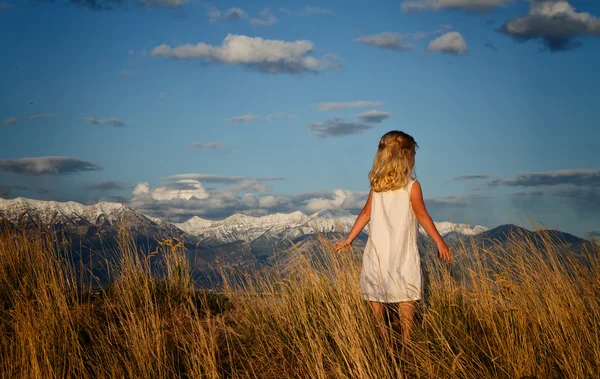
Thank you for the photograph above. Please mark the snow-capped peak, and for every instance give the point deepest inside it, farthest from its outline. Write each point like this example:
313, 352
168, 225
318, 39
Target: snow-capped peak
283, 218
56, 211
331, 213
194, 225
446, 227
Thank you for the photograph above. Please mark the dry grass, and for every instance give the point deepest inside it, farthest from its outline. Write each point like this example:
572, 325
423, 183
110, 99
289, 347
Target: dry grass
518, 312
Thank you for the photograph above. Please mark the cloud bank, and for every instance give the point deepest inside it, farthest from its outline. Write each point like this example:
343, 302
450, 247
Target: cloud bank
186, 198
262, 55
553, 22
47, 165
337, 127
580, 177
482, 6
374, 116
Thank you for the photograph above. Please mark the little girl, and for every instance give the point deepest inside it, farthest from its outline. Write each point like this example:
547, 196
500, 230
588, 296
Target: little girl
391, 270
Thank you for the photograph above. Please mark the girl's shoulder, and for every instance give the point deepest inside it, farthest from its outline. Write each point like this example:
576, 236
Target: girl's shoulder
411, 182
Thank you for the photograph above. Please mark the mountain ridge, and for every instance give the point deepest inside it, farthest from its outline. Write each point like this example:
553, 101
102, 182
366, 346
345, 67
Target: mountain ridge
240, 240
323, 221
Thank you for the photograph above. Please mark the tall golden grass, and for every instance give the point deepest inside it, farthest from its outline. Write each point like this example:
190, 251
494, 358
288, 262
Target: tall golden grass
518, 310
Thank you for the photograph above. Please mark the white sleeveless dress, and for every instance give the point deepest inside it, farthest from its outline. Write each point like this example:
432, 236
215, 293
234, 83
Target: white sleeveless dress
391, 270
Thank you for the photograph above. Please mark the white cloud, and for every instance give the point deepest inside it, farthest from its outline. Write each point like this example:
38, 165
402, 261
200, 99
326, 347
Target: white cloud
248, 197
374, 116
340, 199
345, 105
126, 73
387, 40
141, 188
555, 22
270, 201
268, 56
451, 43
464, 5
242, 119
185, 198
182, 189
255, 185
266, 19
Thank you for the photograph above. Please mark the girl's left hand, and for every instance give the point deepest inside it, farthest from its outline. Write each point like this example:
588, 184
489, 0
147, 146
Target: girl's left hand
444, 252
341, 246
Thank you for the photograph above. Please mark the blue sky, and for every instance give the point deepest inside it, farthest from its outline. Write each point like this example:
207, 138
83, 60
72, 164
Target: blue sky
183, 108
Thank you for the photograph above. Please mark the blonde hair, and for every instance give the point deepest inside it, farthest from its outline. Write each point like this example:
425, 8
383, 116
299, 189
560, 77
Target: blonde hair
394, 162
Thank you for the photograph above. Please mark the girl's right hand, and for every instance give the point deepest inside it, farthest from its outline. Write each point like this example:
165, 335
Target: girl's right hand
444, 252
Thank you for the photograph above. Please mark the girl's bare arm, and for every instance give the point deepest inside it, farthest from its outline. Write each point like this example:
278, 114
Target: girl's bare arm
418, 206
361, 221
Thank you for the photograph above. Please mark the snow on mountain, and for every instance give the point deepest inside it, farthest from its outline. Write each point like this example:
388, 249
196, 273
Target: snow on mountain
289, 226
101, 218
237, 227
194, 225
464, 229
50, 211
247, 228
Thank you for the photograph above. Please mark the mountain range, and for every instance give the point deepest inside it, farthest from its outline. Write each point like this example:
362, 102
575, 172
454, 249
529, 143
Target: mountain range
239, 240
91, 223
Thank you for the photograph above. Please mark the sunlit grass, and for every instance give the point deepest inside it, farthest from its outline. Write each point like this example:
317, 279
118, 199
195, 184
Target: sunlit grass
523, 309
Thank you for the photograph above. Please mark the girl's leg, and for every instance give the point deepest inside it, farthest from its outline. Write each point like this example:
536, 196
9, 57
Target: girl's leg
377, 309
406, 310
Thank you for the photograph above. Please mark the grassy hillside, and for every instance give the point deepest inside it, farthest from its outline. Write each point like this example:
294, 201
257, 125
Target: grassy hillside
531, 315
